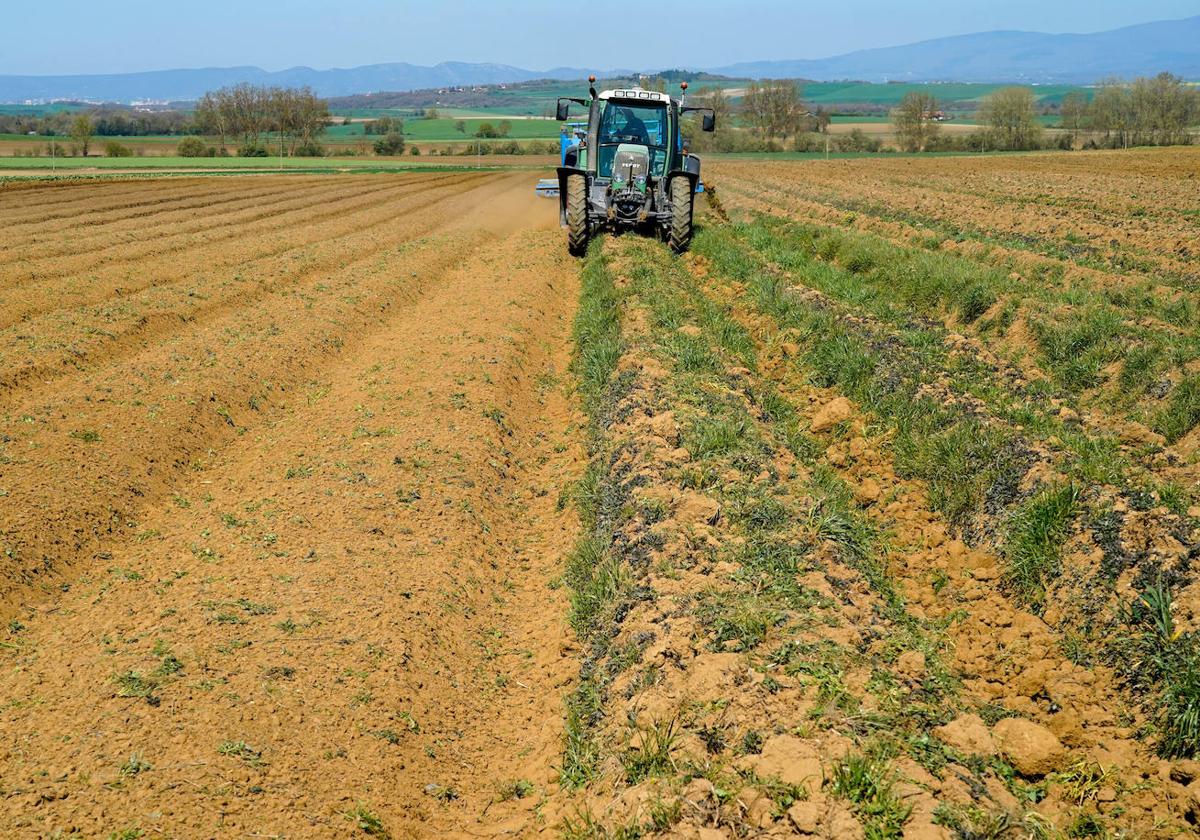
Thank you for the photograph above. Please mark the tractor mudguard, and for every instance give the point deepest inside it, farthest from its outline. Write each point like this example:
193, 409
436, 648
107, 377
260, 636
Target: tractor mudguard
565, 172
693, 177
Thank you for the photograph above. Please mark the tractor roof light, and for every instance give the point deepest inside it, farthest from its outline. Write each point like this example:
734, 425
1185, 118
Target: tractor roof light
634, 93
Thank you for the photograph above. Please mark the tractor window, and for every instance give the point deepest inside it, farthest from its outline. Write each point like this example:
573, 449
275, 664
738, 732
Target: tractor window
643, 125
633, 124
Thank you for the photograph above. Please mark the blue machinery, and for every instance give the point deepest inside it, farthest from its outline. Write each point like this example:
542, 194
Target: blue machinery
572, 134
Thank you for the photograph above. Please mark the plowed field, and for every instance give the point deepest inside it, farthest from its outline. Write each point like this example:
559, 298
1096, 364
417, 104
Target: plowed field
279, 484
350, 506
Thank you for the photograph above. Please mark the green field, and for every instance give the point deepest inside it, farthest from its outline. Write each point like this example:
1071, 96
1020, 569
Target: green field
538, 100
534, 99
96, 139
444, 129
415, 113
39, 110
865, 93
852, 119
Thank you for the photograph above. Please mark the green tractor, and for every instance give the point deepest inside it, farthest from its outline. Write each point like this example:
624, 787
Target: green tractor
629, 169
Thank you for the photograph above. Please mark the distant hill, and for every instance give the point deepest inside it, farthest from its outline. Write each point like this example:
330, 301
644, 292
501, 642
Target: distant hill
1030, 57
172, 85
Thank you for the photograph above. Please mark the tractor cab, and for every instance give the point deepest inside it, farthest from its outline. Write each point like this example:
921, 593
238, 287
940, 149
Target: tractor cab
629, 170
634, 139
637, 126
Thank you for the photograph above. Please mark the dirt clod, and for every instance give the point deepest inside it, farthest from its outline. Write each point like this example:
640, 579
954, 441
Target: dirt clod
805, 817
1032, 748
835, 411
792, 760
968, 734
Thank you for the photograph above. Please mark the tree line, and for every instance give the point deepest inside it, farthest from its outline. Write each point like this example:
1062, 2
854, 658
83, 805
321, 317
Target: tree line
1009, 117
106, 122
1147, 111
244, 114
248, 113
773, 118
1155, 111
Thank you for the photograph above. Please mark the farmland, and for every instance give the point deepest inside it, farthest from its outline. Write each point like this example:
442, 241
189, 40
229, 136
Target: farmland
537, 99
41, 167
347, 505
446, 130
460, 114
230, 406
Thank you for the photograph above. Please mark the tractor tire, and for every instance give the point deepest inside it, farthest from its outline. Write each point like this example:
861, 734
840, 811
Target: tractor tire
577, 220
679, 234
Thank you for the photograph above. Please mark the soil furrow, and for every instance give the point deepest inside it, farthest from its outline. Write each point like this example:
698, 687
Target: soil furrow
100, 204
114, 280
148, 217
319, 625
1009, 660
81, 354
47, 269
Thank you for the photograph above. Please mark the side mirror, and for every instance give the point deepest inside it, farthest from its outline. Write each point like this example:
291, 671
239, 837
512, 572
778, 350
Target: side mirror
709, 122
564, 109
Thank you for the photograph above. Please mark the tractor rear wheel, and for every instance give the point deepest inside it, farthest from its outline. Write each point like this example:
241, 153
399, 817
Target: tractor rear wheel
679, 234
577, 220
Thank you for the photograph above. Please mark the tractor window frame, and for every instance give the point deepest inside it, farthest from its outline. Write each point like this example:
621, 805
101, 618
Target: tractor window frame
659, 153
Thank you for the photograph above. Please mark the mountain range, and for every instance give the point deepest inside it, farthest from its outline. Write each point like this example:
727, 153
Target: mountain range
1029, 57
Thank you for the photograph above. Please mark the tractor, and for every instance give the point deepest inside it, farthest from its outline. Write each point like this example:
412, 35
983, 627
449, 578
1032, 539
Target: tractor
629, 168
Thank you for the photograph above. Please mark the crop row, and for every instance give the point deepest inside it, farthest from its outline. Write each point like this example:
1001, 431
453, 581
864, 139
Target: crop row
124, 411
743, 586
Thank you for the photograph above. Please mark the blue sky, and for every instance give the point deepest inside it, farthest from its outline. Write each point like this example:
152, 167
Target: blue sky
114, 36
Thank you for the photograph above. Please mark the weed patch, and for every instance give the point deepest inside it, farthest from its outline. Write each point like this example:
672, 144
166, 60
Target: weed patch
1034, 544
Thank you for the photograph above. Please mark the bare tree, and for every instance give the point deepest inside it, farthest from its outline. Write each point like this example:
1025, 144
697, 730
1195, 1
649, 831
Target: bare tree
312, 115
715, 98
1011, 116
1111, 113
210, 117
722, 108
1163, 108
247, 112
914, 121
82, 130
1074, 112
774, 108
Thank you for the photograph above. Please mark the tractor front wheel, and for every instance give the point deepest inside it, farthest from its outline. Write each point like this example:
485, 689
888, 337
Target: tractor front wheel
679, 235
577, 220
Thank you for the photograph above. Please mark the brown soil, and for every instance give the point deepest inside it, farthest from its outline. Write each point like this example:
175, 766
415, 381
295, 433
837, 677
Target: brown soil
347, 165
285, 465
279, 506
1006, 656
1061, 721
1141, 204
